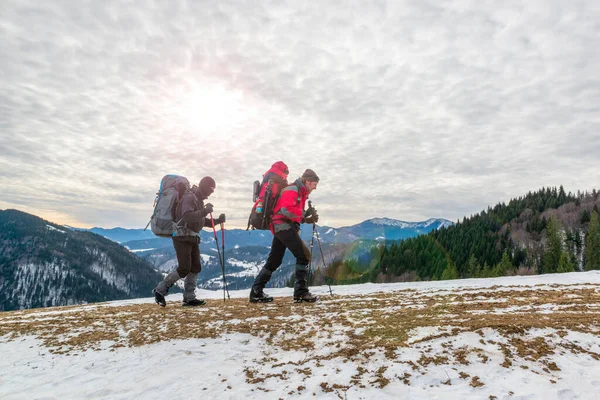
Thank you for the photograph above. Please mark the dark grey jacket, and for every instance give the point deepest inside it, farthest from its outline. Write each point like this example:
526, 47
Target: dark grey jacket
191, 217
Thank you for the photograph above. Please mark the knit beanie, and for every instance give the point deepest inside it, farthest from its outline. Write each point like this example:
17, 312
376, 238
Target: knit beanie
310, 175
207, 182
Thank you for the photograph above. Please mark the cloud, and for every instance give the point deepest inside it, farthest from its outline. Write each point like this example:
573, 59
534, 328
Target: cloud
405, 109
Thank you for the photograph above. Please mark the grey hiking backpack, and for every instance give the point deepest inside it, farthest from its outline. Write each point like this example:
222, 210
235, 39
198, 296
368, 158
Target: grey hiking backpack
172, 189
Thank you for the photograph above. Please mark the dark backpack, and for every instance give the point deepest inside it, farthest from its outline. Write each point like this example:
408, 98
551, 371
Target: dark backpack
265, 196
171, 190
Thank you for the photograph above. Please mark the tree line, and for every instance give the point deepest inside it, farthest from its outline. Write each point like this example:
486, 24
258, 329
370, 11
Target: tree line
546, 231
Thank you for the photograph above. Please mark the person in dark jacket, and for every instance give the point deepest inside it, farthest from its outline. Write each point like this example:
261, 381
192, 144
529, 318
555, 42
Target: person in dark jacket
287, 216
191, 216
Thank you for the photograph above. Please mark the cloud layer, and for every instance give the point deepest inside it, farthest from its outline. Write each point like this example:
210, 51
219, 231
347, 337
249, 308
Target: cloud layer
405, 109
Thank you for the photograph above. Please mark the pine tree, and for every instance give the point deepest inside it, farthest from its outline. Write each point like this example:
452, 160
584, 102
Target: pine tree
450, 272
585, 216
565, 264
553, 245
504, 265
486, 272
473, 267
592, 244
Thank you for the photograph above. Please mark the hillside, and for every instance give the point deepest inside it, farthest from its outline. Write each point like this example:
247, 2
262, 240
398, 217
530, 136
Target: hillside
542, 232
43, 264
500, 338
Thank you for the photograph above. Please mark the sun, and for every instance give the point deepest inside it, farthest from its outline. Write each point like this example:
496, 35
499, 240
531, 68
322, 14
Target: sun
212, 109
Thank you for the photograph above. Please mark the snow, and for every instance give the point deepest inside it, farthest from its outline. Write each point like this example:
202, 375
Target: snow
390, 222
205, 258
51, 228
412, 225
222, 366
249, 268
138, 250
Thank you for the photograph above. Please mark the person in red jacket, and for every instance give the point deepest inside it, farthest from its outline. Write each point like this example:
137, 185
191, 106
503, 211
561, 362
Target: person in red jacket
287, 216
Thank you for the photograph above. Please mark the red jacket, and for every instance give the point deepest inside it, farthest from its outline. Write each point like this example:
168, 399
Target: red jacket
289, 209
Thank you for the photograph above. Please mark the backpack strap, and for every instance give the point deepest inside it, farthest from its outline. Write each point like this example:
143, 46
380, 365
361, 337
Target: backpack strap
299, 190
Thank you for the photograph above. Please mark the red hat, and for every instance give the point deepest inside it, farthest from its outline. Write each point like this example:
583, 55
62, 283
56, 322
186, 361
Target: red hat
280, 169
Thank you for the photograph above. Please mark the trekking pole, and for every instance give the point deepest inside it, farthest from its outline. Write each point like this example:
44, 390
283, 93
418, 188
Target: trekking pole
321, 250
312, 242
223, 253
218, 252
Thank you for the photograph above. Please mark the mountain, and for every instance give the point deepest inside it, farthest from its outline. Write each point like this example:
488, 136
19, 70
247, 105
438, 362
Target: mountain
121, 235
374, 229
246, 251
383, 229
541, 232
43, 264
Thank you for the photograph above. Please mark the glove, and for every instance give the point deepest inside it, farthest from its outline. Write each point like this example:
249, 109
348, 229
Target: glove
310, 211
221, 219
208, 208
313, 218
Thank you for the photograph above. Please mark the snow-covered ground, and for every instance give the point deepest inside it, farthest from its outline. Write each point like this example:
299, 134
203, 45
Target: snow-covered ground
533, 337
51, 228
249, 268
138, 250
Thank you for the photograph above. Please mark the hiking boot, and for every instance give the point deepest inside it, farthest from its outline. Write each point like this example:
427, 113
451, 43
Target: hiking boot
159, 299
260, 297
307, 297
193, 303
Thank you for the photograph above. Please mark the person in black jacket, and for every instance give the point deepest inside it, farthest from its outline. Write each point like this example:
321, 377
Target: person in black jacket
191, 216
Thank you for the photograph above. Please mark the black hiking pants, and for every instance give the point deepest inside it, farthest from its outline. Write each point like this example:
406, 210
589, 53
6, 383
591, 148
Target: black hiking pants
288, 239
188, 256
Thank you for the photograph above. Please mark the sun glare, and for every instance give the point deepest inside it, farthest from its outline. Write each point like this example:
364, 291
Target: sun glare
213, 109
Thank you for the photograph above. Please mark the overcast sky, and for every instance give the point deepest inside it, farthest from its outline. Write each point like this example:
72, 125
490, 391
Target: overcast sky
405, 109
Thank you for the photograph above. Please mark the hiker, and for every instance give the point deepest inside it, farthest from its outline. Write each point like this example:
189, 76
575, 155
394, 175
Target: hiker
285, 226
191, 216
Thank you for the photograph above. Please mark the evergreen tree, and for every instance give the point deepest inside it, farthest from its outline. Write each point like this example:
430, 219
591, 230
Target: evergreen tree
553, 246
486, 272
562, 195
504, 266
450, 272
592, 244
473, 267
565, 263
585, 216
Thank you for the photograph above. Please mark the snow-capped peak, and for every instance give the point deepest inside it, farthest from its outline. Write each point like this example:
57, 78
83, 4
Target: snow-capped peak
389, 222
414, 225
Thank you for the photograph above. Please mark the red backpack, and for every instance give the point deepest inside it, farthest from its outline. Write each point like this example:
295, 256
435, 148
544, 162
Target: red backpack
265, 196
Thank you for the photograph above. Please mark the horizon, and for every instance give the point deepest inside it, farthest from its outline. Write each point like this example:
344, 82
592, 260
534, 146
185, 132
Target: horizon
228, 226
404, 109
239, 228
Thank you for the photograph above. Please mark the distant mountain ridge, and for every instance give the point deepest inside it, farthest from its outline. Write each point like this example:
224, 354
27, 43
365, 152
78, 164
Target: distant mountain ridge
44, 264
246, 251
373, 229
121, 235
